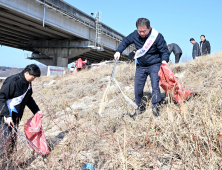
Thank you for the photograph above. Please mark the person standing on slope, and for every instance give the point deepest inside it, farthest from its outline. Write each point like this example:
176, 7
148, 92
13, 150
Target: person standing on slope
15, 94
204, 46
151, 53
176, 50
196, 48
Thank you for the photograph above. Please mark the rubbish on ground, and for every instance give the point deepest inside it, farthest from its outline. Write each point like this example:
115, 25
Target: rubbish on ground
106, 78
87, 166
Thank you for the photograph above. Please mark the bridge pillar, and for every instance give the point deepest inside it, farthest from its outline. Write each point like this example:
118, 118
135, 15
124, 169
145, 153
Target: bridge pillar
58, 57
58, 52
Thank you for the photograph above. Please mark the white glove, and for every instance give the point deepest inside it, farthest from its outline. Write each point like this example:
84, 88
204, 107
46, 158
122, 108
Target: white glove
8, 120
39, 112
164, 62
116, 56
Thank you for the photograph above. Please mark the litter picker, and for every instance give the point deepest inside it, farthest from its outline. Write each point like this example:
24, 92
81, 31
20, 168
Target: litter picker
106, 91
129, 101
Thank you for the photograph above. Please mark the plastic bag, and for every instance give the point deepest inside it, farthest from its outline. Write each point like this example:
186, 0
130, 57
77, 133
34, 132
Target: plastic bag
171, 85
35, 134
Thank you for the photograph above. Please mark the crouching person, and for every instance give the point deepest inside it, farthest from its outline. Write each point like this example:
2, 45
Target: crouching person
151, 52
15, 94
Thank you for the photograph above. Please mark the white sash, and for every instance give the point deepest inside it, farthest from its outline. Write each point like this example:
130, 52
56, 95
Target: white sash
11, 103
149, 42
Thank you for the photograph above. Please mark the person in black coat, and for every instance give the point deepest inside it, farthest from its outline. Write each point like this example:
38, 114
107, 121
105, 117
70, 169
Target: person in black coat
204, 46
176, 50
196, 48
15, 94
148, 63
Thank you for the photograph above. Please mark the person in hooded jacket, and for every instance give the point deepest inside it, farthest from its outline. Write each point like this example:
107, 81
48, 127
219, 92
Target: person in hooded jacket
15, 94
79, 64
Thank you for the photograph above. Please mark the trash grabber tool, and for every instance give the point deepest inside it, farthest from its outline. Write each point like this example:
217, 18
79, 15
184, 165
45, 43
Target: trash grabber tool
106, 91
128, 100
114, 69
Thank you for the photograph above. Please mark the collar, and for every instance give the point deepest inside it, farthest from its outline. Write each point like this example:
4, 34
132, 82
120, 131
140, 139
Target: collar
22, 77
149, 33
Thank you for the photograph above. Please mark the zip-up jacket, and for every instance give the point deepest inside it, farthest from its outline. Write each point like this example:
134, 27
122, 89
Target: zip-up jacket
79, 63
196, 49
154, 56
175, 49
205, 47
14, 86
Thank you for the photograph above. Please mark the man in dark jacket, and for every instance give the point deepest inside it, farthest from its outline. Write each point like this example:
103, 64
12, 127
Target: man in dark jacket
151, 53
176, 50
196, 49
204, 46
15, 94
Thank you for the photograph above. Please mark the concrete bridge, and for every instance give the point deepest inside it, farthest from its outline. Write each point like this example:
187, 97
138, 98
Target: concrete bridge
56, 32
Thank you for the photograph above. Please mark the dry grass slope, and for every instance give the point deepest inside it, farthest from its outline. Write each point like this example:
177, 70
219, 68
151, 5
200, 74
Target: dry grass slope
185, 136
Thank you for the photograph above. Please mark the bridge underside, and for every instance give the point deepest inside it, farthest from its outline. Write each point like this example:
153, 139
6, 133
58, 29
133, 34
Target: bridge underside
50, 45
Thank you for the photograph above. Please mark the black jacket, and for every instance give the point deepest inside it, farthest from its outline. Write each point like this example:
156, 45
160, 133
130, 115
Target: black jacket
14, 86
205, 47
175, 49
196, 49
154, 56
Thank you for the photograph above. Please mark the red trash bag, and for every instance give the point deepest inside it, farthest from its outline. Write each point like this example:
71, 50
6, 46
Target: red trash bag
171, 85
35, 134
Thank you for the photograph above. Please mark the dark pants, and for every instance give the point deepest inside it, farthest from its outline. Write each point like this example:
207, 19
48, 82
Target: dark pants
7, 140
177, 57
140, 80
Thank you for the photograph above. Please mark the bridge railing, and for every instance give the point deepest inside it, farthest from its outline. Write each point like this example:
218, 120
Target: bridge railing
68, 10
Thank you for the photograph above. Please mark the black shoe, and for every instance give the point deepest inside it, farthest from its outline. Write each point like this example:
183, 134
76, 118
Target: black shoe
138, 111
141, 109
156, 111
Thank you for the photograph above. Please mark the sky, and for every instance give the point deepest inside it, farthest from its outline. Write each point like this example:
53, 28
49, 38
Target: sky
176, 20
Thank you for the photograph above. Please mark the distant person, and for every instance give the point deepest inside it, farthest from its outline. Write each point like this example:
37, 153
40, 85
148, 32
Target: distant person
204, 46
15, 94
176, 50
87, 64
79, 64
72, 68
196, 48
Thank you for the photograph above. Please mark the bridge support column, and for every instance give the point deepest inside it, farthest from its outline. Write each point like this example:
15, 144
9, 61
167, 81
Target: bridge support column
61, 62
60, 57
58, 52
